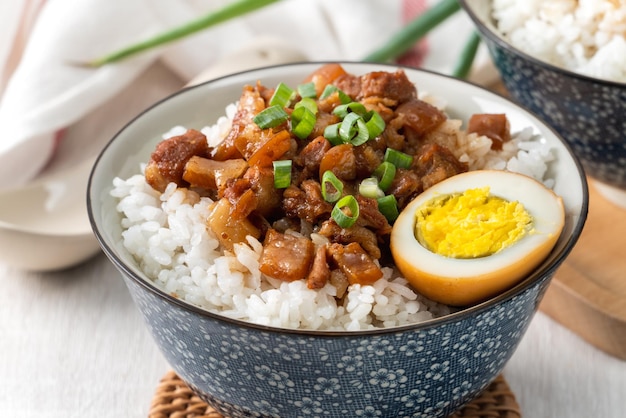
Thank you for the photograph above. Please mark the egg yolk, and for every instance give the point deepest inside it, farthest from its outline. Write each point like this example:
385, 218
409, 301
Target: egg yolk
476, 234
471, 224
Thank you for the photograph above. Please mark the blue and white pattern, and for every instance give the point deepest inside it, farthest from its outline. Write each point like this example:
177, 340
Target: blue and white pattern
590, 115
428, 369
422, 371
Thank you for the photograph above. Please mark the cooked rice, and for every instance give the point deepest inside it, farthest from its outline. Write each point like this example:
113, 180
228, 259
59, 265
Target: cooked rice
167, 235
585, 36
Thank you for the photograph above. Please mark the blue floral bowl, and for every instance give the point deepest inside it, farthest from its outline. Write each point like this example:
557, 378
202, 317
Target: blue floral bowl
589, 113
429, 369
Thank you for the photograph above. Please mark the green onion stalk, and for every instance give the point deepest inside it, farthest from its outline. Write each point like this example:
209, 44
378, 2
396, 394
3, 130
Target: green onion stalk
464, 64
230, 11
406, 37
398, 44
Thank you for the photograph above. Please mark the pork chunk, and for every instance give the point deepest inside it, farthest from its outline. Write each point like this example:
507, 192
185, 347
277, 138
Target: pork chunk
355, 263
286, 257
420, 117
435, 163
394, 86
494, 126
306, 202
168, 160
320, 272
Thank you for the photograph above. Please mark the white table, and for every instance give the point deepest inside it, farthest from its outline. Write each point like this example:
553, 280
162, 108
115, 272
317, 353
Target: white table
74, 345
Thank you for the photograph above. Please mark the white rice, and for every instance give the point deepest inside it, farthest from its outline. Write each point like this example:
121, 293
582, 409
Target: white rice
585, 36
167, 235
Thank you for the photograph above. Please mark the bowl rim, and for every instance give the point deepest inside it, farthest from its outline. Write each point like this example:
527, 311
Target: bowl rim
469, 7
546, 272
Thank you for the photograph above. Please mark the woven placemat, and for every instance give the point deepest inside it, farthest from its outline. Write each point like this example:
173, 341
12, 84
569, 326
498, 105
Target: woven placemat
174, 399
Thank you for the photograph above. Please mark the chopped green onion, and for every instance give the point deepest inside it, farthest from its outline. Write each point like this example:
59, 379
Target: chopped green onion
369, 188
343, 97
362, 136
388, 206
302, 122
397, 158
385, 173
343, 109
307, 90
375, 124
330, 179
347, 128
309, 103
282, 174
344, 220
331, 133
330, 89
353, 130
282, 95
271, 117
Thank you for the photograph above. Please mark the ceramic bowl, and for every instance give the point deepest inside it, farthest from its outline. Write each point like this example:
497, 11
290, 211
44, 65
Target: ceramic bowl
425, 370
589, 113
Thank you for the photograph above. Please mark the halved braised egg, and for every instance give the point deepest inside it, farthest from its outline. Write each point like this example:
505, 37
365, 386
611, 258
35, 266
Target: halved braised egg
475, 235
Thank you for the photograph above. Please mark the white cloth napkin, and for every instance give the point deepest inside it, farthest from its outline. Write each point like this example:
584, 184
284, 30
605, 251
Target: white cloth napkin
42, 93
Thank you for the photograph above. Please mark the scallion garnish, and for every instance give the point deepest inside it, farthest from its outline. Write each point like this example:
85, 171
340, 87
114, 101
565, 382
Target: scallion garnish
343, 219
282, 95
343, 109
309, 103
302, 122
330, 89
358, 125
336, 187
353, 130
282, 174
385, 173
398, 158
375, 124
331, 133
369, 188
362, 136
388, 206
270, 117
307, 90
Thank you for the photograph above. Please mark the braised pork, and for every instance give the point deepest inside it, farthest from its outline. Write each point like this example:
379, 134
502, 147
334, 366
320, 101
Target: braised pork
239, 175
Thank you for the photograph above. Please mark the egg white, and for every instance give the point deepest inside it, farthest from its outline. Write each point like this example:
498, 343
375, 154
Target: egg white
461, 282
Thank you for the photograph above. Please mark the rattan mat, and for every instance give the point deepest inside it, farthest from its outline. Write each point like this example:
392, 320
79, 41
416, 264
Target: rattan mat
174, 399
